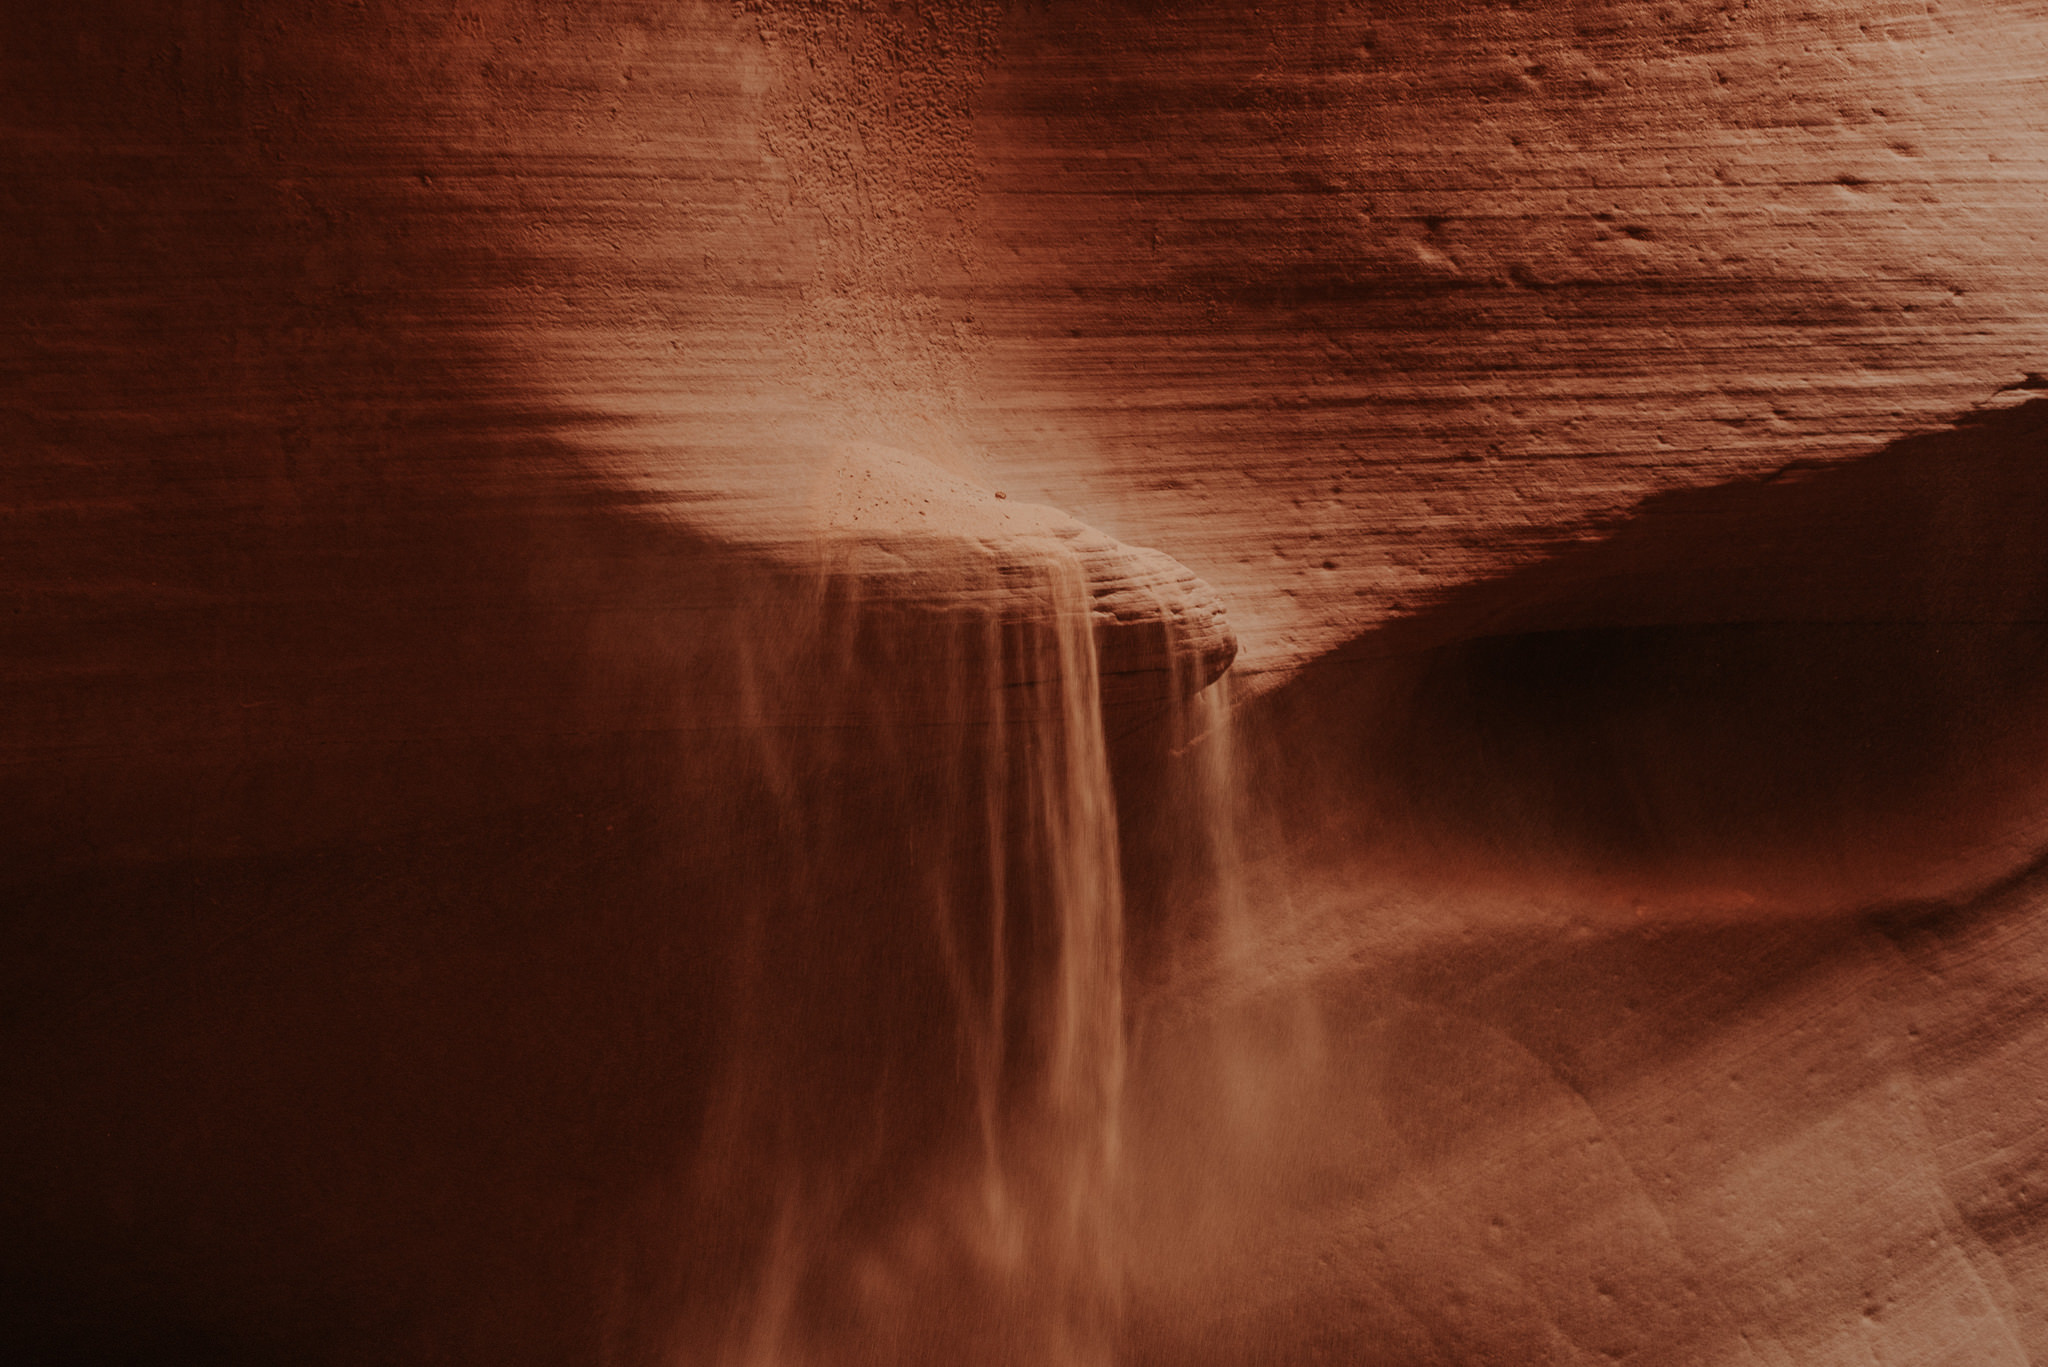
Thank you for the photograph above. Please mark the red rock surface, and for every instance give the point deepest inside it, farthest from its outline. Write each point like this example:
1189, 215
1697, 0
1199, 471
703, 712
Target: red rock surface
581, 580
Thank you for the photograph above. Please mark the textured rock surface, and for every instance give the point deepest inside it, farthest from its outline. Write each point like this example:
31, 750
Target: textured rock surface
898, 537
1453, 283
503, 778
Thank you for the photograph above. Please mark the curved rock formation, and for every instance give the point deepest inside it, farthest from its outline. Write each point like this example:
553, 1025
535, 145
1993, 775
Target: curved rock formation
558, 816
898, 541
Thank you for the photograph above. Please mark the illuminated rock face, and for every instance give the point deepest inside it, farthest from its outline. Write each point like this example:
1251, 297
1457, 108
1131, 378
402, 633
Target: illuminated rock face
610, 712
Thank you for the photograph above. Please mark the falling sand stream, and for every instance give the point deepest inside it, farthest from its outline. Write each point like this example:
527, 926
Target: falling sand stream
930, 1028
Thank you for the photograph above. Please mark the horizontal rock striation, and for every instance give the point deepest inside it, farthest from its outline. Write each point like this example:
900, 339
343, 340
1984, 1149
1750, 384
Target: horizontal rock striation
905, 550
550, 798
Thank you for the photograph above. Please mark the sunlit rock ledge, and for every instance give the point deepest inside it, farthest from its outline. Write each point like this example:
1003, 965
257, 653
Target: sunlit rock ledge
901, 540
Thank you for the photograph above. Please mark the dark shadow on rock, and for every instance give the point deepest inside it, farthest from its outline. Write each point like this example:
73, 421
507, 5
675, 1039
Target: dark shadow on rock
349, 999
1824, 689
388, 820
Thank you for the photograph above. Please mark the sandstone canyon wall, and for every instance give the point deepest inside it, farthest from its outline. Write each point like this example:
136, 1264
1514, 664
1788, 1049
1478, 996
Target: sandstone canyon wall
1024, 682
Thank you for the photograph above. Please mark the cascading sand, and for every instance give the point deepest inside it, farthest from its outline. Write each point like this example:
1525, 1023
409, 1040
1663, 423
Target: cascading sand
919, 1133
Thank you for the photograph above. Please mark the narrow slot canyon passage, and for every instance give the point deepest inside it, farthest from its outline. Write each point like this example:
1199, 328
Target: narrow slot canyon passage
862, 685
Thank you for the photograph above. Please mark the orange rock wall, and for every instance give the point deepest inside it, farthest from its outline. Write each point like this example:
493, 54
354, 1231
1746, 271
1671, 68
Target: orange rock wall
542, 548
